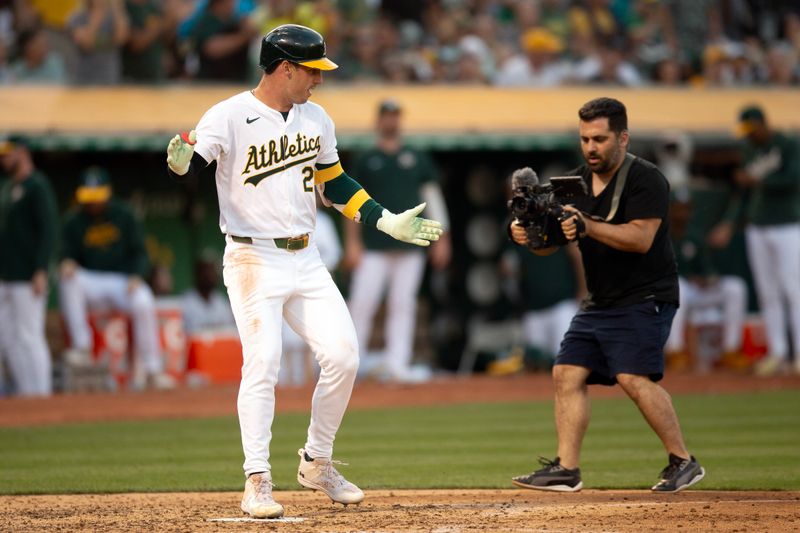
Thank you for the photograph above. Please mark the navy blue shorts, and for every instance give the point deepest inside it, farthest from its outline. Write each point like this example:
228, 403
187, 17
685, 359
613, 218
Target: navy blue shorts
624, 340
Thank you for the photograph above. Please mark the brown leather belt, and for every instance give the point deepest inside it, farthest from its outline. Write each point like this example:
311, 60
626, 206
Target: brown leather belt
291, 244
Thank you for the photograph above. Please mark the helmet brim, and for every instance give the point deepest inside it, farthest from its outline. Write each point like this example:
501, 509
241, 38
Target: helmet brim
93, 195
322, 63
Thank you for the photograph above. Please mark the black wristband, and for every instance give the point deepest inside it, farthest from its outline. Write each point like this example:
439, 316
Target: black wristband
196, 165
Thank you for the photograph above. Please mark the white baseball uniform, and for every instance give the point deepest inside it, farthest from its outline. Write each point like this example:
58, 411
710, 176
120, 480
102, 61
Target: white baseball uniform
265, 184
22, 340
297, 365
96, 290
724, 302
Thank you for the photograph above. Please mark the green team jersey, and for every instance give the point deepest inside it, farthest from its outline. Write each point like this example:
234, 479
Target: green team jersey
545, 280
144, 65
776, 198
394, 181
28, 219
693, 256
110, 242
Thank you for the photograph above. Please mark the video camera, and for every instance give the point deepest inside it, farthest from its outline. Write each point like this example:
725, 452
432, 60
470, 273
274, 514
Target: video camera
539, 207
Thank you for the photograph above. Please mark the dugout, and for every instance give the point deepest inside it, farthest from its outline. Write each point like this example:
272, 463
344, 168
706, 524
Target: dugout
477, 136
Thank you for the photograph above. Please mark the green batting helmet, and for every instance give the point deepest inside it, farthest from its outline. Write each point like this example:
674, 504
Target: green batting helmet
295, 43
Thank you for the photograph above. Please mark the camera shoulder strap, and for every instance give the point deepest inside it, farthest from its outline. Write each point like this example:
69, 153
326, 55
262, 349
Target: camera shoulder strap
622, 177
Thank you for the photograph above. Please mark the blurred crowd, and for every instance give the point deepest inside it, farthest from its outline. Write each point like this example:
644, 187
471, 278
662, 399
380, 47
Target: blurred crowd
533, 43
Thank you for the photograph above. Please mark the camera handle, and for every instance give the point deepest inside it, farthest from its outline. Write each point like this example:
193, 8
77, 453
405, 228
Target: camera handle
580, 224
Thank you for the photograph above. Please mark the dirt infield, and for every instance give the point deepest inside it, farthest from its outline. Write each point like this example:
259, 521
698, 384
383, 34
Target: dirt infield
442, 511
406, 511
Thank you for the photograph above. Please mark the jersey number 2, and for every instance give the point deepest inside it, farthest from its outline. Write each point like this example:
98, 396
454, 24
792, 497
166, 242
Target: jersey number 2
308, 179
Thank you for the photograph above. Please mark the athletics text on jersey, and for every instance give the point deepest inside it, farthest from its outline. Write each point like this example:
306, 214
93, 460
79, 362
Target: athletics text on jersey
265, 164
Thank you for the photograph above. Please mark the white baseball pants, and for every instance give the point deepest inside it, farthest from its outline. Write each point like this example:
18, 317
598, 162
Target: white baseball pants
774, 255
91, 289
296, 364
726, 300
403, 272
265, 285
545, 328
22, 339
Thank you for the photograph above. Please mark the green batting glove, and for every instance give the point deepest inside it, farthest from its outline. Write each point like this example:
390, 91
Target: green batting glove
179, 152
408, 227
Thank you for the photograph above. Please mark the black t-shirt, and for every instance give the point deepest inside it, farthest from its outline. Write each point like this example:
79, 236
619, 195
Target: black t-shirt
616, 278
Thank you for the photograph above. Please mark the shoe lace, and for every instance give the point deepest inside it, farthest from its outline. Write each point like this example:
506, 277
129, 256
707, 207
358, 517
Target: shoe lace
549, 465
263, 486
329, 471
671, 469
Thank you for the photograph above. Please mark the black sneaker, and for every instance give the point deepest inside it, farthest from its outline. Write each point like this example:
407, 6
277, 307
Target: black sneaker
552, 477
679, 474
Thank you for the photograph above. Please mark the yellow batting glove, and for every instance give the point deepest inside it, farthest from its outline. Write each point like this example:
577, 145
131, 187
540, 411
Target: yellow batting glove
408, 227
180, 151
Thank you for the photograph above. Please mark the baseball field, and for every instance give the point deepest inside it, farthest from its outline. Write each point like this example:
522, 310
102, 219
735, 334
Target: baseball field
434, 457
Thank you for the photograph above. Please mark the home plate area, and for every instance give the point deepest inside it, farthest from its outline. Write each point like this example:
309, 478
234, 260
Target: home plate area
450, 511
271, 520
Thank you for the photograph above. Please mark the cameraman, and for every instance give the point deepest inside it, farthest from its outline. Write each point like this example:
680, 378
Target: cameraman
619, 334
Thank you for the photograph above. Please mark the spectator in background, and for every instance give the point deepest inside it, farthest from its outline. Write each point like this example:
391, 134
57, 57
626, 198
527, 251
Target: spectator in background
668, 72
28, 227
770, 175
539, 66
608, 65
99, 29
593, 21
469, 70
705, 297
696, 23
652, 36
363, 63
143, 55
403, 176
727, 64
221, 39
102, 266
5, 74
553, 17
37, 63
781, 66
54, 17
204, 306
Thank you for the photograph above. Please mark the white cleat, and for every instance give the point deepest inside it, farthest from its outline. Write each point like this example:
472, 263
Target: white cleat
161, 381
257, 499
320, 474
77, 358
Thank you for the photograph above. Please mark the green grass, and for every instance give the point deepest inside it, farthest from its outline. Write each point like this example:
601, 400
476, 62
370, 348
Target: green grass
745, 441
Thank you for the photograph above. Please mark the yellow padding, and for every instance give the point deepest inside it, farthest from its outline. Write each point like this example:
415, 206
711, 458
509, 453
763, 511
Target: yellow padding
327, 174
354, 204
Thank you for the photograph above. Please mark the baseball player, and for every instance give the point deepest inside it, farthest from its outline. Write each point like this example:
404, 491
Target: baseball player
705, 296
273, 148
102, 266
28, 226
770, 173
403, 175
